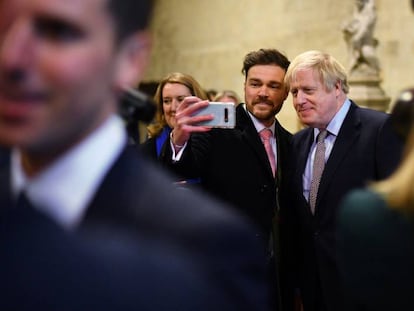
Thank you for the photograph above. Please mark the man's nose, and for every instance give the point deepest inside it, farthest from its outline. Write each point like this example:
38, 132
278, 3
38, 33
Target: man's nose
300, 97
263, 91
15, 47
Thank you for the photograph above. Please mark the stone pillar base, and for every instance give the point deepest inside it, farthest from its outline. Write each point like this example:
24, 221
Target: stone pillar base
367, 92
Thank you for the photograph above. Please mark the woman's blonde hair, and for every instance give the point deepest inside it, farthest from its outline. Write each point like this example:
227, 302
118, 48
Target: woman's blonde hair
227, 93
155, 128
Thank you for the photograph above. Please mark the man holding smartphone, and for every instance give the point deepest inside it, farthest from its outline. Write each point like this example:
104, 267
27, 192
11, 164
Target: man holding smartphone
239, 165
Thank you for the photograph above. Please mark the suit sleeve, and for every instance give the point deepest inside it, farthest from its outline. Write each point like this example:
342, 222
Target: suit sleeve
194, 158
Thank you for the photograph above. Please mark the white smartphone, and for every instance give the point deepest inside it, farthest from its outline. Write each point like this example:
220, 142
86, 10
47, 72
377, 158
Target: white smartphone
224, 115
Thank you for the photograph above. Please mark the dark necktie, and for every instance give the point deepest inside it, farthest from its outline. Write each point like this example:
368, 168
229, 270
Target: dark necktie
318, 166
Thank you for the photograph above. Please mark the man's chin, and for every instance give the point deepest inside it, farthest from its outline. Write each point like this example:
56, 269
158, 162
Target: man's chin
263, 113
15, 138
307, 117
265, 118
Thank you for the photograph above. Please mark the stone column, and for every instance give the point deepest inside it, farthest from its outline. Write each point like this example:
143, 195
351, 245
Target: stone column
366, 91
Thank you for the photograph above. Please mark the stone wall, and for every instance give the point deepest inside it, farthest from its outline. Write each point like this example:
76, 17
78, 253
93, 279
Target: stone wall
208, 39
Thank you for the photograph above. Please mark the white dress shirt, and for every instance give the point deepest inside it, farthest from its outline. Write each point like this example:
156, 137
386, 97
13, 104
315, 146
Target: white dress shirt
66, 187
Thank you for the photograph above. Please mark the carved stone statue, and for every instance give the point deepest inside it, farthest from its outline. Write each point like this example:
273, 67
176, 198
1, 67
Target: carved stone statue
364, 66
359, 36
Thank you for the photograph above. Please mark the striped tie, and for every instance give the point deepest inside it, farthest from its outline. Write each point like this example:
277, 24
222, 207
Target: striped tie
318, 166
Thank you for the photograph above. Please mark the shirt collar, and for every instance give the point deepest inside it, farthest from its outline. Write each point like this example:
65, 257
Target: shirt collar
335, 125
65, 188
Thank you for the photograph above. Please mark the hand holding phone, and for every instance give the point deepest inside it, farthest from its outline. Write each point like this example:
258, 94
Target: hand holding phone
224, 115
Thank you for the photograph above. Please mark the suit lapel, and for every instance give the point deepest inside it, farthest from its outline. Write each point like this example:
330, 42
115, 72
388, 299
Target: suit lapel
5, 178
349, 132
303, 149
283, 144
113, 199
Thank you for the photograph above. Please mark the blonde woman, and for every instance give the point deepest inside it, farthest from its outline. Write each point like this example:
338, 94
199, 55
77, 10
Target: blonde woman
170, 93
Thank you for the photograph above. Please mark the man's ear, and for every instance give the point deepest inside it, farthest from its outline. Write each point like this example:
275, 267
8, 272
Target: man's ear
133, 59
338, 88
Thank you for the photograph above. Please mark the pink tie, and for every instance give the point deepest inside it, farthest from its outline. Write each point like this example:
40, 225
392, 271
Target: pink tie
265, 135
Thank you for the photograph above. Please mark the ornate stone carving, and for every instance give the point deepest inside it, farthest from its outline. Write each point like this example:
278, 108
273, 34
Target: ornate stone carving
364, 65
359, 36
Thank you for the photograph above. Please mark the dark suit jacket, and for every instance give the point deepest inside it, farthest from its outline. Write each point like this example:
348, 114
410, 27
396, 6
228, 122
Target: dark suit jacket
376, 254
361, 153
4, 157
148, 148
233, 165
137, 196
45, 268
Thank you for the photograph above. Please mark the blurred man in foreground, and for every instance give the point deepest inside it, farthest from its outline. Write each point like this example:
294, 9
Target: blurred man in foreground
63, 66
